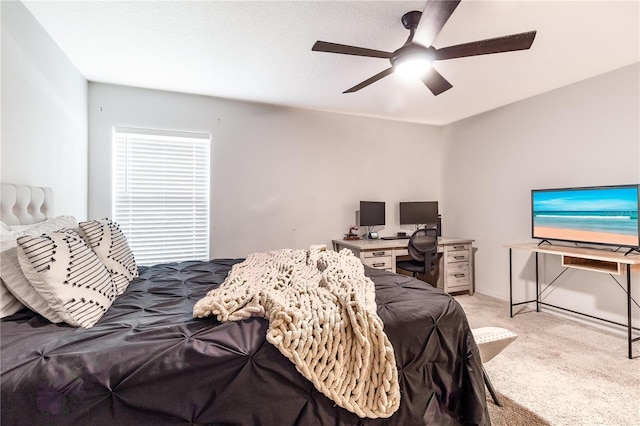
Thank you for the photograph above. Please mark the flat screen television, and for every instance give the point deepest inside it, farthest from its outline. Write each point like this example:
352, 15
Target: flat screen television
597, 215
372, 213
418, 212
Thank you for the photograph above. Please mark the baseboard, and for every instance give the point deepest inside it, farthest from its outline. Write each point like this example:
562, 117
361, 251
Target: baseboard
490, 294
601, 325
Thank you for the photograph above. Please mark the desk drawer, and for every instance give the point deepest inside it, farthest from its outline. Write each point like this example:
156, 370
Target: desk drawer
457, 247
376, 254
456, 256
457, 275
456, 288
378, 262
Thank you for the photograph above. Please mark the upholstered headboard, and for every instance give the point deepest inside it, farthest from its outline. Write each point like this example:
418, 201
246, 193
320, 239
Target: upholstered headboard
24, 205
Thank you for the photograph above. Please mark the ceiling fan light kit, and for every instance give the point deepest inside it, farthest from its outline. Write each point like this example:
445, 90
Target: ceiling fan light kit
416, 56
412, 60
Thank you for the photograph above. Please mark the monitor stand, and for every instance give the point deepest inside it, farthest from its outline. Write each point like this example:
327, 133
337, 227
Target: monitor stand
371, 234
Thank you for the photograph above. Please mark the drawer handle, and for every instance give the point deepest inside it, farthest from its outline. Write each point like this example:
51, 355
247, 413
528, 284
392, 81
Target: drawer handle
458, 257
379, 253
377, 265
458, 275
459, 247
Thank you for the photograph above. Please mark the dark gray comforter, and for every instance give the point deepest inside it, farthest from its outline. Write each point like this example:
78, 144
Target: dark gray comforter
148, 361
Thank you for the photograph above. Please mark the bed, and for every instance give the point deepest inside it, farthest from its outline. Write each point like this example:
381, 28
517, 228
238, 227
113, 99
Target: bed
149, 361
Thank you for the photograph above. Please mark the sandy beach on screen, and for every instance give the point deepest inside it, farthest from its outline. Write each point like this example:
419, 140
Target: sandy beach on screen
586, 236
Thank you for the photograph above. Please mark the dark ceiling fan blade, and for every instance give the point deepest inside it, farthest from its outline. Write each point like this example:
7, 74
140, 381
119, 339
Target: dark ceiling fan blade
436, 13
435, 82
370, 80
323, 46
521, 41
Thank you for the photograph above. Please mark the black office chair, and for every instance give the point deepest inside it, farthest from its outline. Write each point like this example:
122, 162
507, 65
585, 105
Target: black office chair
423, 249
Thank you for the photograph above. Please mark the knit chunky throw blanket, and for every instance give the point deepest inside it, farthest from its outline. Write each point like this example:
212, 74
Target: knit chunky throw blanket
322, 317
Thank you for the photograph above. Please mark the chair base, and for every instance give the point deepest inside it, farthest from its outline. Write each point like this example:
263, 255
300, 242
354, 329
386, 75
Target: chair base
491, 341
492, 391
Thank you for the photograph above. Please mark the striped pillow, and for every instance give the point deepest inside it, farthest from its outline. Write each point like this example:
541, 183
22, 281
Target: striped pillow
68, 276
109, 243
15, 290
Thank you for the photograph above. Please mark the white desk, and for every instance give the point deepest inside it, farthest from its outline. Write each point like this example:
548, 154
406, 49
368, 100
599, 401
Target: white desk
596, 260
456, 264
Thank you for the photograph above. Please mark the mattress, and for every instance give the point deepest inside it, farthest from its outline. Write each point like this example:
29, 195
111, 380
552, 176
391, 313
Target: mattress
148, 361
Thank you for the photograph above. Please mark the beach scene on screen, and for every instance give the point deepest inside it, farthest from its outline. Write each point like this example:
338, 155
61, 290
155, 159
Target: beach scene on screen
598, 215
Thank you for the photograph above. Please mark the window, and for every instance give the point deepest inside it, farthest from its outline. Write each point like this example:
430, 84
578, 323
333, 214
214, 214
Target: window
161, 193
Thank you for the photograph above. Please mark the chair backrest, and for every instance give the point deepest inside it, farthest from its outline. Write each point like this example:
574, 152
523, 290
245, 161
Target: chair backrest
423, 247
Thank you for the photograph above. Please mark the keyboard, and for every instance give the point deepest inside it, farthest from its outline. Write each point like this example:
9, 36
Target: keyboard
396, 237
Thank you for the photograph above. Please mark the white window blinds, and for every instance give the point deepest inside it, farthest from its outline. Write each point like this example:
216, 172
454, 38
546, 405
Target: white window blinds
161, 193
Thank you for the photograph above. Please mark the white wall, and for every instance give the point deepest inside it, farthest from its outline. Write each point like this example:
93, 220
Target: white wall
280, 177
44, 113
584, 134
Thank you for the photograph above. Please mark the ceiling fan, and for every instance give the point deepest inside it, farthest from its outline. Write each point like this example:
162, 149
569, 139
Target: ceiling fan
417, 53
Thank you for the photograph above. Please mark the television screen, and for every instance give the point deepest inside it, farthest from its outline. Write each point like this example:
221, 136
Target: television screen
371, 213
418, 212
599, 215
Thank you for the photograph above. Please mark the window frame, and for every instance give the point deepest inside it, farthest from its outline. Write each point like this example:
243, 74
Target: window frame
157, 187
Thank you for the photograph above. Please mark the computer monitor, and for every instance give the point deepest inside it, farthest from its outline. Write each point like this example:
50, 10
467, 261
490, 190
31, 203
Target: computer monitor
418, 212
371, 213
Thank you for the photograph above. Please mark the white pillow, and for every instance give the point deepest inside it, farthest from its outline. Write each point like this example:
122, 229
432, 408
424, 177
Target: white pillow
8, 238
68, 275
9, 271
46, 226
15, 289
20, 228
109, 243
9, 305
21, 288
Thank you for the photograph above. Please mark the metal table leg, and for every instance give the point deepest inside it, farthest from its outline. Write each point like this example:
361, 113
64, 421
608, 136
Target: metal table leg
537, 286
510, 284
629, 326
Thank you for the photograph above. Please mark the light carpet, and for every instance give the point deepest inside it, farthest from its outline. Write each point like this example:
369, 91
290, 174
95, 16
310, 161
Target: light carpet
563, 371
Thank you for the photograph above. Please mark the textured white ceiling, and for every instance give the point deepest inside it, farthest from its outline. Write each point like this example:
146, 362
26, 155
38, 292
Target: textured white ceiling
261, 51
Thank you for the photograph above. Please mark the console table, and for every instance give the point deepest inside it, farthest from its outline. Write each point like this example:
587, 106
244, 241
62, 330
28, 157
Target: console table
596, 260
456, 264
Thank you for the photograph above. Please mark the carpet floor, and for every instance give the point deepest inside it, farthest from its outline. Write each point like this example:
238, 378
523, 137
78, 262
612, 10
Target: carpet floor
512, 413
558, 371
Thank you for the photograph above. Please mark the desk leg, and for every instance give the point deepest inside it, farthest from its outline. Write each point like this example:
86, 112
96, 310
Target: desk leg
629, 326
393, 261
510, 285
537, 286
